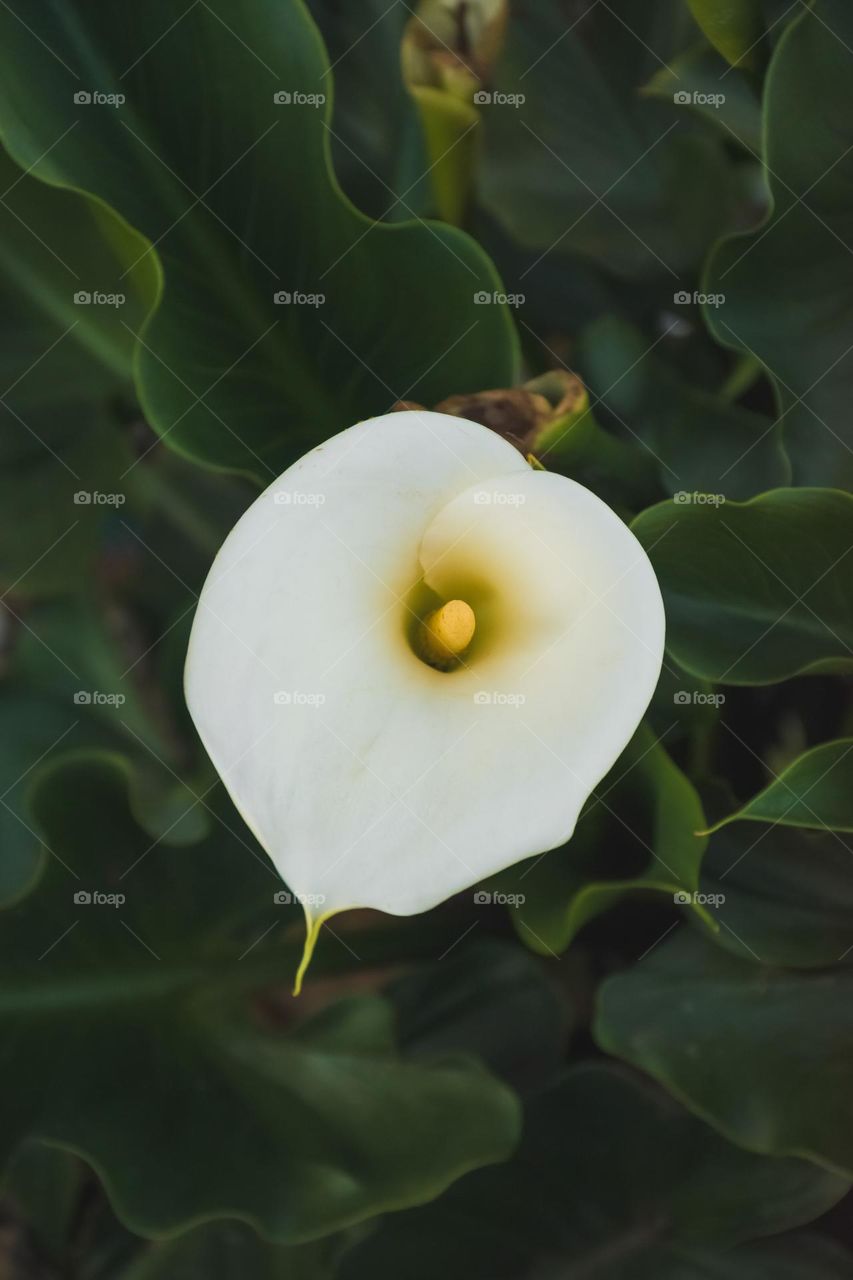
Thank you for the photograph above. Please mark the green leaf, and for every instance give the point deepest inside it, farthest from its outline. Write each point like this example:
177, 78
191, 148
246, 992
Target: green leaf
816, 791
699, 442
785, 893
72, 650
68, 688
637, 834
761, 1053
755, 592
462, 1002
734, 27
378, 147
450, 129
580, 164
31, 726
612, 1179
300, 1127
225, 374
727, 100
467, 1000
60, 363
576, 445
682, 706
232, 1251
787, 285
38, 727
56, 246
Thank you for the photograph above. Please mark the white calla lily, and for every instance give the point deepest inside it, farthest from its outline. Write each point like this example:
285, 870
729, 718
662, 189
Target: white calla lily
413, 659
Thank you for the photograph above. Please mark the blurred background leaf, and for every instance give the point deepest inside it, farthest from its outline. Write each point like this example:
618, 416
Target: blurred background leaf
753, 591
816, 791
787, 285
742, 1043
226, 374
611, 1179
788, 893
300, 1130
700, 442
584, 164
726, 98
65, 359
636, 835
156, 1066
377, 140
734, 29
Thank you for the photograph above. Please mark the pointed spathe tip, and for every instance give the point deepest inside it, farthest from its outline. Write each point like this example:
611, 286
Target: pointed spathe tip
313, 925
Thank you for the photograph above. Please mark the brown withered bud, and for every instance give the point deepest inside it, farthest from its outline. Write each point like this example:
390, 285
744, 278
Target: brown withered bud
515, 414
523, 414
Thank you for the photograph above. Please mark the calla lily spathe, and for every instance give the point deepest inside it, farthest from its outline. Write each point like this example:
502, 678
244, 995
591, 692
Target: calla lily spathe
372, 772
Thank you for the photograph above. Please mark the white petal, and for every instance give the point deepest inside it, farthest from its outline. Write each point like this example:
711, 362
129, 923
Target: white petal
376, 780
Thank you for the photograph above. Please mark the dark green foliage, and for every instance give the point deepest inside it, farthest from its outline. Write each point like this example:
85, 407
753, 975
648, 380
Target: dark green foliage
219, 245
